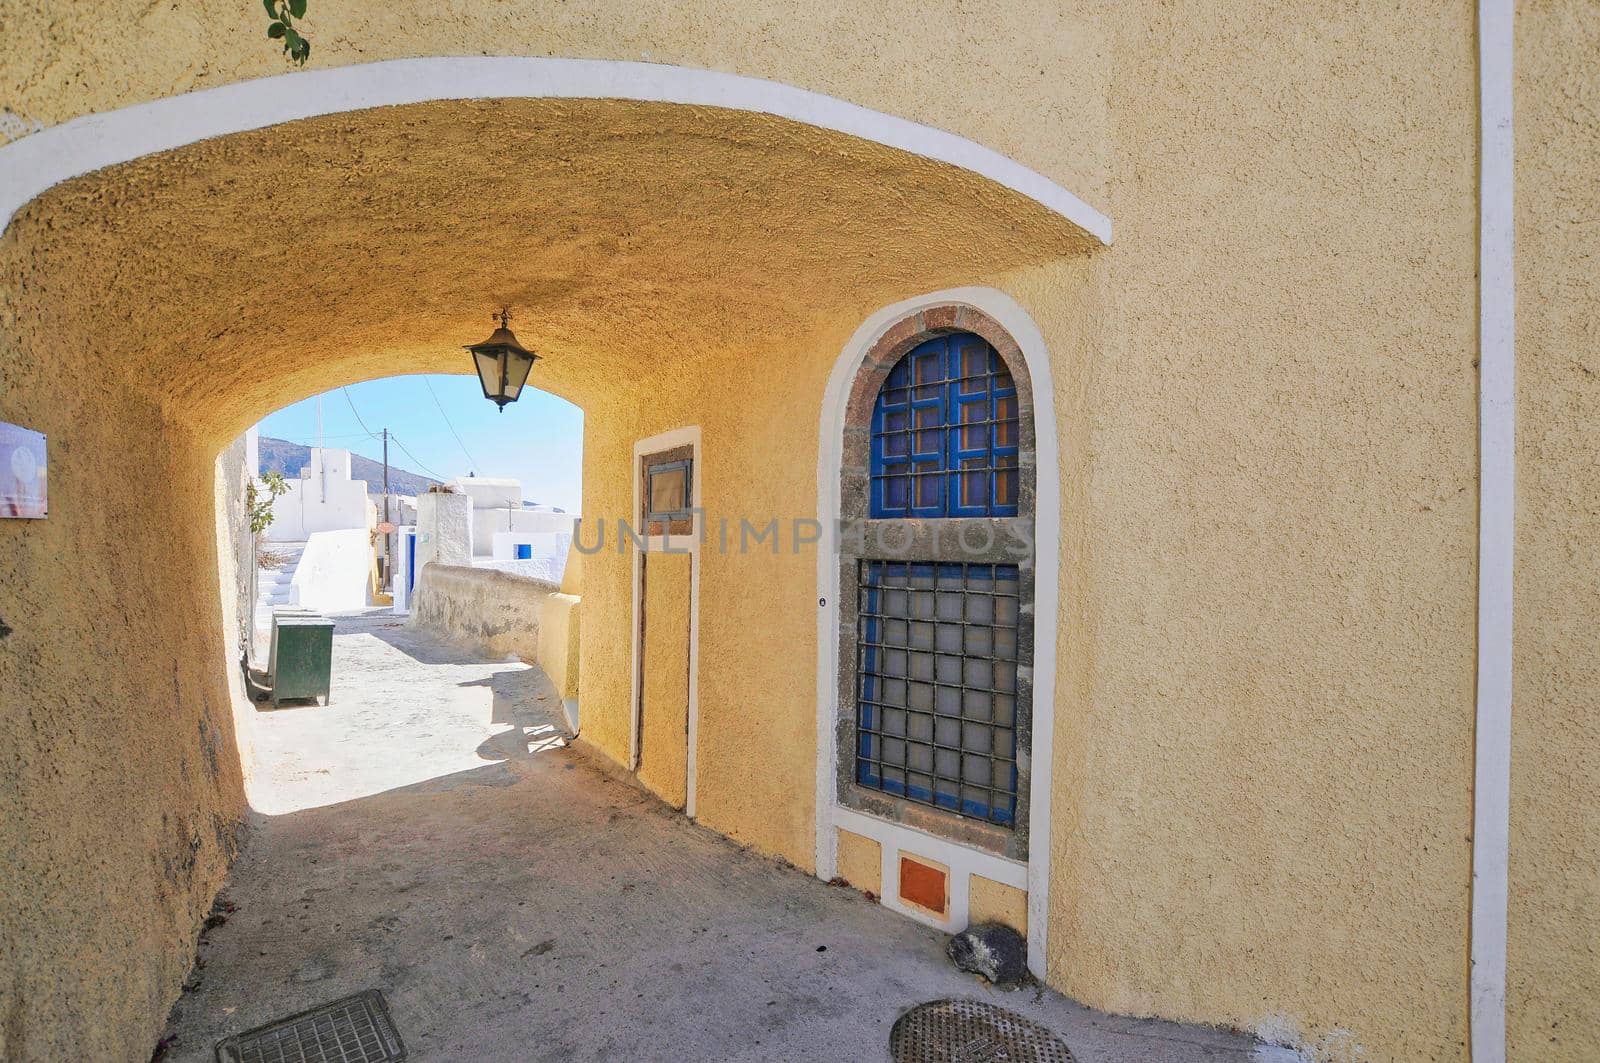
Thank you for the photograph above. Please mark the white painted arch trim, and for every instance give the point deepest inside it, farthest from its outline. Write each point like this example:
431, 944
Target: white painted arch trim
1047, 561
1497, 464
34, 163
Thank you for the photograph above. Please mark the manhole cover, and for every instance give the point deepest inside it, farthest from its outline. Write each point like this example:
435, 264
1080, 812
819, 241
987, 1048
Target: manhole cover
352, 1030
970, 1031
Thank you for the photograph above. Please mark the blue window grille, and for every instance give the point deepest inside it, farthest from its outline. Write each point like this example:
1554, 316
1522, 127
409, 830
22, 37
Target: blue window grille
524, 551
945, 433
936, 718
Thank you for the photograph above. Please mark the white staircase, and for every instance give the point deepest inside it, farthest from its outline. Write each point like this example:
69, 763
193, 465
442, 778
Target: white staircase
273, 586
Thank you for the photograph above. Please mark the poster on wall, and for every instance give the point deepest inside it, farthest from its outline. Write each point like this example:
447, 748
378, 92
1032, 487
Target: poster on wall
22, 472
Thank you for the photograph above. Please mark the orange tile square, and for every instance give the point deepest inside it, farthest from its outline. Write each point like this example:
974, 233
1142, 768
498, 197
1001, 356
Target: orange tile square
925, 885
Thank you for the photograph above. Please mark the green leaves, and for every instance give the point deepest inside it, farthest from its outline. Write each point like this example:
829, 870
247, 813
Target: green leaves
258, 499
283, 13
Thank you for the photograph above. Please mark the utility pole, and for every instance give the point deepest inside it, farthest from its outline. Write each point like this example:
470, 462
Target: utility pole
388, 536
320, 466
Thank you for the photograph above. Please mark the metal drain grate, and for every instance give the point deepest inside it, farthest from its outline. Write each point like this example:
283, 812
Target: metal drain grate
350, 1030
970, 1031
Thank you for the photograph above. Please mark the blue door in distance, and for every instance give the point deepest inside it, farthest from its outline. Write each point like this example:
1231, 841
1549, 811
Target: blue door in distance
411, 562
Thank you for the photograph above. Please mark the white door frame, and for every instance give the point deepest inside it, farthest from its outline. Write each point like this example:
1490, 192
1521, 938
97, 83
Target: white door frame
666, 543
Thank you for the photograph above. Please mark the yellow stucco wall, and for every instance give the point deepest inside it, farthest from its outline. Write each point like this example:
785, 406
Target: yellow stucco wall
991, 901
860, 862
1266, 395
559, 632
1553, 981
122, 791
664, 678
1271, 755
64, 61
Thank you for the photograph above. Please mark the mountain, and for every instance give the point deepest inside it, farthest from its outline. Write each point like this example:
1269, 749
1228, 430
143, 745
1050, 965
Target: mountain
280, 455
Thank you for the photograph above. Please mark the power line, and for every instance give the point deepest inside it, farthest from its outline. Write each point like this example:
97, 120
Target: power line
353, 410
392, 438
470, 460
396, 438
299, 443
312, 446
396, 441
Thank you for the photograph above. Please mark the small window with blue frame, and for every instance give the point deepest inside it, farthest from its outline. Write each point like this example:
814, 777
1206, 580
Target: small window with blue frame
945, 434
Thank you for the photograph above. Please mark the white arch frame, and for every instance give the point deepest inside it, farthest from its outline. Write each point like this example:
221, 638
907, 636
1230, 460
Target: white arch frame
35, 163
830, 815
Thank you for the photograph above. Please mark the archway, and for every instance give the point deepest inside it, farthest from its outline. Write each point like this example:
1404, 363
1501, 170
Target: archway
678, 264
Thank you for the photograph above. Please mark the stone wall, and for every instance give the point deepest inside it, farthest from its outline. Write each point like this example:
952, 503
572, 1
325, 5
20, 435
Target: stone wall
497, 613
236, 546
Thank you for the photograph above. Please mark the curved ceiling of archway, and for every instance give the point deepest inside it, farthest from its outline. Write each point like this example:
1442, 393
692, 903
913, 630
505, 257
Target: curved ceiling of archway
94, 141
235, 274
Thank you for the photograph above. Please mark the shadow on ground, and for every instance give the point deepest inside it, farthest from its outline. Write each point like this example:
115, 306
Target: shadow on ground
545, 907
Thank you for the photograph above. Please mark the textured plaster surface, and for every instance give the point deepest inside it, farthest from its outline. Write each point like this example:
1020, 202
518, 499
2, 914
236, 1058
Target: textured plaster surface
860, 862
120, 781
444, 530
559, 637
496, 611
236, 566
164, 295
664, 678
1267, 421
1553, 976
991, 901
1266, 699
432, 836
67, 61
620, 232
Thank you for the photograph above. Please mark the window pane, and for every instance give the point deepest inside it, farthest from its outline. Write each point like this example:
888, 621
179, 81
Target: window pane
669, 489
897, 493
948, 406
951, 727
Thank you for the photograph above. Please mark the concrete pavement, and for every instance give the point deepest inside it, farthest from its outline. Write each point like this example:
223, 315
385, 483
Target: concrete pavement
432, 835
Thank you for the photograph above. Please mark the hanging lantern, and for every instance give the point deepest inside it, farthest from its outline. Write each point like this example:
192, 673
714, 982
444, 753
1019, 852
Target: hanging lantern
502, 363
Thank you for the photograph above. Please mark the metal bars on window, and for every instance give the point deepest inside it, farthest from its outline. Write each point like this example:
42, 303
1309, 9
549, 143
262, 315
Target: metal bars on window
945, 433
937, 664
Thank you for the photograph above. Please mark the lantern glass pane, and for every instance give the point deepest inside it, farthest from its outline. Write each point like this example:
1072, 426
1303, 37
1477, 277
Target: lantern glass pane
488, 372
517, 365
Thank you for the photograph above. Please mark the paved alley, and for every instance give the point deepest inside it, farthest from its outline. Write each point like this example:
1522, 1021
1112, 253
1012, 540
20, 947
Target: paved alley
431, 834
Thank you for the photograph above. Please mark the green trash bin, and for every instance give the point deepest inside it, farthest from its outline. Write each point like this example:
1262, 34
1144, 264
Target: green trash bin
300, 660
285, 612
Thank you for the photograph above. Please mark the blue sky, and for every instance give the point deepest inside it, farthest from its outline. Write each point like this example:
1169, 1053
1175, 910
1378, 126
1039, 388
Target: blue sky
538, 439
